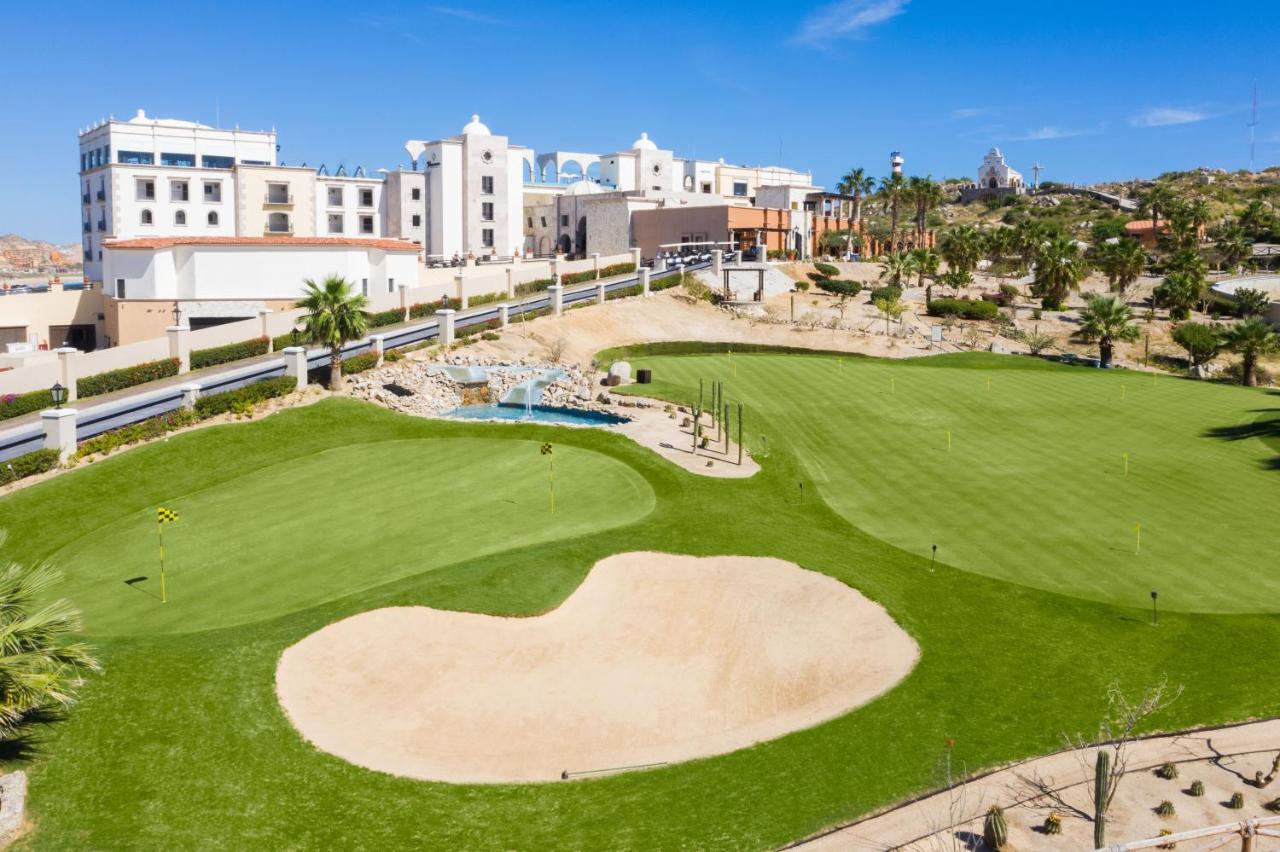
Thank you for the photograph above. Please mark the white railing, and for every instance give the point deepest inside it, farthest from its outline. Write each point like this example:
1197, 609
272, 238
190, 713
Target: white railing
1217, 835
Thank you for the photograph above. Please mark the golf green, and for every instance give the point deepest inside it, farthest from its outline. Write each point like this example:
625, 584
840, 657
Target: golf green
295, 521
1105, 485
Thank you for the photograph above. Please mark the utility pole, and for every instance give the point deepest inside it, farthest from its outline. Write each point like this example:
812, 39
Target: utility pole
1035, 176
1253, 124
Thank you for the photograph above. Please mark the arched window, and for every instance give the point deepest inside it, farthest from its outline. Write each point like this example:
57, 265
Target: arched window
213, 217
146, 217
278, 223
180, 218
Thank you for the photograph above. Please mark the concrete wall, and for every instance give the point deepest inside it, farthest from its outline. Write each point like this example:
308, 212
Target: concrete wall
36, 312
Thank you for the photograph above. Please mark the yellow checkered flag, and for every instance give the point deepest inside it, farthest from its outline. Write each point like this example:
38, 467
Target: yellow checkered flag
165, 516
551, 479
546, 449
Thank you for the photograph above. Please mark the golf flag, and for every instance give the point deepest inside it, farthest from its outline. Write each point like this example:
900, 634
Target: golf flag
551, 478
546, 451
165, 516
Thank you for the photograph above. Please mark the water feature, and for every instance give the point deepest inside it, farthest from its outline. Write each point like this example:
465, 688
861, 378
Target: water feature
534, 414
529, 392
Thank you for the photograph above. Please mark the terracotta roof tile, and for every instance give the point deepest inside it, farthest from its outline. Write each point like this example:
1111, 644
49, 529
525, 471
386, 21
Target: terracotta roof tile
169, 242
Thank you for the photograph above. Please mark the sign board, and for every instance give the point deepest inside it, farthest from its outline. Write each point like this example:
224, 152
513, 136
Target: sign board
935, 334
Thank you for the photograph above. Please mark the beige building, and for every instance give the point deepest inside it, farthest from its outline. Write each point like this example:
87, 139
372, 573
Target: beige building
276, 201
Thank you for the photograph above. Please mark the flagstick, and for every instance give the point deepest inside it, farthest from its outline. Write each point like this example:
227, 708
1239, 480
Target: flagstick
164, 597
553, 484
1138, 532
948, 440
1126, 464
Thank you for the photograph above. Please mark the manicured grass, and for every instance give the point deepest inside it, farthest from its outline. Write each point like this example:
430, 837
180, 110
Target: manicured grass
1033, 487
181, 744
298, 533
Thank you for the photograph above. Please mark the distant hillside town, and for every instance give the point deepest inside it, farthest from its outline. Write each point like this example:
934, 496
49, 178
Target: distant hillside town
23, 257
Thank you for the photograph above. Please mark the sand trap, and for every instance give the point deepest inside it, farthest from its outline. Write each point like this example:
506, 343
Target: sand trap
653, 659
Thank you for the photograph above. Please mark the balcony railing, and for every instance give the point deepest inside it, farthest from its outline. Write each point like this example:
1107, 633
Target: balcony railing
102, 225
286, 231
278, 198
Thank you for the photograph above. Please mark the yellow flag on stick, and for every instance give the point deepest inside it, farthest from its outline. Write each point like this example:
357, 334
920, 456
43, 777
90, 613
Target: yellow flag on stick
163, 516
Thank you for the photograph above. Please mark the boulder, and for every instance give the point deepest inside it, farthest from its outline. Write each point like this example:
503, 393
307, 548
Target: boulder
619, 373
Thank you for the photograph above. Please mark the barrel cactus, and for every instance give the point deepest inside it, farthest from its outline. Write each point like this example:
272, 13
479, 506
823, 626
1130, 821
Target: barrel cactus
1053, 823
995, 832
1165, 809
1236, 802
1168, 772
1197, 788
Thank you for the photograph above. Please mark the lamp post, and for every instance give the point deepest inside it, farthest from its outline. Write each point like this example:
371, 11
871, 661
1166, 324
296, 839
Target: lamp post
296, 333
59, 394
177, 314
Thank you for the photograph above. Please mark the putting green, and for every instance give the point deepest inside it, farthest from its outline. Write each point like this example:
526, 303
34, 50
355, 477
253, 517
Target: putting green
311, 529
1031, 487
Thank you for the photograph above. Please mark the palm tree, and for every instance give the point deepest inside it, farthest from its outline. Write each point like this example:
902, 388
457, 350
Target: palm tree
1107, 320
1198, 210
961, 247
924, 263
1179, 292
39, 670
1250, 339
891, 192
856, 183
1233, 247
1157, 200
926, 194
335, 315
1122, 262
1060, 268
894, 268
1255, 218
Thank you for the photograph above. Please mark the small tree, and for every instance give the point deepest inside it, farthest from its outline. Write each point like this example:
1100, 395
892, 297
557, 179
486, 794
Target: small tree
1201, 341
1122, 262
1106, 320
1037, 341
894, 268
890, 308
335, 315
1251, 339
1179, 293
1251, 302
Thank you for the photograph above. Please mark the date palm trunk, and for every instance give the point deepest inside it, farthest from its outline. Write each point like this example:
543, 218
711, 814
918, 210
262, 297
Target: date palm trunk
1105, 350
335, 368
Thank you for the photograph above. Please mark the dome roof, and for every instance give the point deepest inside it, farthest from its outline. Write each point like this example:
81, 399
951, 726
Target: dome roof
474, 126
583, 187
644, 143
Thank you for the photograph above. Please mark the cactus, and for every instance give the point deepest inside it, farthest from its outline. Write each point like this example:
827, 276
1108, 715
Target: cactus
1165, 809
1101, 778
1197, 788
1237, 801
1164, 832
1168, 772
995, 833
1273, 805
1053, 823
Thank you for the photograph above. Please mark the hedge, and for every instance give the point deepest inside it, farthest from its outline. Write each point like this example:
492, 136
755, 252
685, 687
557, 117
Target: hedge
243, 399
153, 427
826, 270
17, 404
634, 290
474, 328
378, 319
974, 309
890, 293
538, 285
201, 358
28, 464
280, 341
838, 286
359, 363
127, 377
590, 274
667, 283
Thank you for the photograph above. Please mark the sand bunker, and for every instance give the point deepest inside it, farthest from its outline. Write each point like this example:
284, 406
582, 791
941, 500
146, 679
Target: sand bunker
654, 659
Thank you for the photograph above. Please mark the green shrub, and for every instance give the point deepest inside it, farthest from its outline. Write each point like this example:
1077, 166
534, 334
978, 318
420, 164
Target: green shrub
491, 335
1236, 802
889, 294
1168, 772
486, 299
838, 287
826, 270
1051, 304
28, 464
1197, 788
974, 309
538, 285
624, 292
359, 363
214, 355
1052, 823
590, 275
152, 427
378, 319
17, 404
126, 377
243, 399
1166, 809
666, 283
419, 310
282, 341
802, 286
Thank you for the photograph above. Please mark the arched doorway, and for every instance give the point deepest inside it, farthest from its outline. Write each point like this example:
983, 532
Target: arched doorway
565, 244
581, 237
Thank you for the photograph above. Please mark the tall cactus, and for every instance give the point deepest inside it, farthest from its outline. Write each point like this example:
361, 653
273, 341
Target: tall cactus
1101, 780
995, 832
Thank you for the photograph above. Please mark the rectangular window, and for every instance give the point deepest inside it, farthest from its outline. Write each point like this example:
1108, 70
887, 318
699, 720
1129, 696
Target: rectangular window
364, 287
486, 212
416, 194
335, 196
335, 223
530, 222
135, 158
255, 162
740, 189
366, 197
146, 190
119, 288
210, 161
366, 224
391, 285
543, 219
179, 190
168, 159
486, 238
486, 184
564, 221
417, 221
278, 193
706, 187
213, 190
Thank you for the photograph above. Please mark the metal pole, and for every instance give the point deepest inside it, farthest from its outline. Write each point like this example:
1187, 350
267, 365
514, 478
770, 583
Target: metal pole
726, 428
739, 433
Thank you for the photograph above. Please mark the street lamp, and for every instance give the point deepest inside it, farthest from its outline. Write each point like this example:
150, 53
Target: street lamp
59, 394
177, 314
296, 332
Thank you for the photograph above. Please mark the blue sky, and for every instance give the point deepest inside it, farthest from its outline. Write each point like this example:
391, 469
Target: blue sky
1092, 90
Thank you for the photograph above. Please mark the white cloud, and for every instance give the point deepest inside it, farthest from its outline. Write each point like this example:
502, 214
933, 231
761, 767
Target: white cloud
464, 14
1166, 116
845, 19
1041, 134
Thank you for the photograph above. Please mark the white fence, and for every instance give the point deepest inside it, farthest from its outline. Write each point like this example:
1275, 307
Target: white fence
1217, 836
